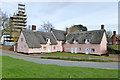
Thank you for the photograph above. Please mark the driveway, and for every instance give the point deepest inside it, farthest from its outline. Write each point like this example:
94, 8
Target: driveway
101, 65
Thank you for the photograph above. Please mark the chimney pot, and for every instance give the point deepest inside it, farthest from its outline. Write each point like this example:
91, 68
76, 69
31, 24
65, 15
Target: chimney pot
114, 32
33, 27
114, 38
102, 26
67, 30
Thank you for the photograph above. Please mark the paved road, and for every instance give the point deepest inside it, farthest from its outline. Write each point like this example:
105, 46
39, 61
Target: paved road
102, 65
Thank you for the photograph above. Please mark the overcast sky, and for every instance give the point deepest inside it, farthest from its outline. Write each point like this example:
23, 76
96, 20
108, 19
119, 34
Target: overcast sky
65, 14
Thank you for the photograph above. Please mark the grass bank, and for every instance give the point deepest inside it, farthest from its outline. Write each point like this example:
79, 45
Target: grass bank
73, 54
76, 59
18, 68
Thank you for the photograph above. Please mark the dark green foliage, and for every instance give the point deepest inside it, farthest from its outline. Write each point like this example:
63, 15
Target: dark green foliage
113, 49
78, 28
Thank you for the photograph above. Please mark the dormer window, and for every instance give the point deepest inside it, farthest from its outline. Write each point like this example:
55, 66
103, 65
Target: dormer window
75, 41
68, 41
87, 41
21, 39
48, 40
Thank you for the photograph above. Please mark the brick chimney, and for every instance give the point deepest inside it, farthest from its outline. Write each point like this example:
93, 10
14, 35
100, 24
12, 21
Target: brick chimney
114, 38
33, 27
102, 26
67, 30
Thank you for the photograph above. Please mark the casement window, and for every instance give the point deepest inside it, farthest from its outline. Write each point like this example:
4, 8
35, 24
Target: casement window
38, 48
75, 41
48, 40
44, 48
21, 47
67, 48
110, 42
54, 47
24, 47
92, 50
117, 42
68, 41
79, 49
21, 39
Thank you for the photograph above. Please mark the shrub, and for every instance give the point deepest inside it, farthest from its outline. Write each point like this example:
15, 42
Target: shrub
113, 49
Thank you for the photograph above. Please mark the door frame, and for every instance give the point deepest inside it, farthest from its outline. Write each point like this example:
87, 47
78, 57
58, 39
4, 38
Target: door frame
49, 49
75, 49
86, 50
71, 49
61, 48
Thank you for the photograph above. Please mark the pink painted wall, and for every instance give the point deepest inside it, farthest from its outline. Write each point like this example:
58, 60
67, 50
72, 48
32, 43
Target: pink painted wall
21, 44
21, 47
99, 48
42, 50
83, 48
103, 44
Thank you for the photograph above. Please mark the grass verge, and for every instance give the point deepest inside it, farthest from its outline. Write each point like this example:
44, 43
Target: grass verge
18, 68
73, 54
76, 59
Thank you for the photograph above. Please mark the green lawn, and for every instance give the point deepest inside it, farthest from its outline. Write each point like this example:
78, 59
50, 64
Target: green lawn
18, 68
73, 54
0, 67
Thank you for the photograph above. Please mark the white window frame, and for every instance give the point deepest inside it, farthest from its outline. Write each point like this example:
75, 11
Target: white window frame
48, 40
86, 41
38, 48
67, 41
75, 41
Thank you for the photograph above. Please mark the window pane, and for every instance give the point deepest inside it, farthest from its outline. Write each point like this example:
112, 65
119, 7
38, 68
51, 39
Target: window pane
44, 48
54, 47
21, 39
67, 48
92, 50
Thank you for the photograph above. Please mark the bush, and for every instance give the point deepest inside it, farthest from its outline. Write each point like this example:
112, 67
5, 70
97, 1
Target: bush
112, 50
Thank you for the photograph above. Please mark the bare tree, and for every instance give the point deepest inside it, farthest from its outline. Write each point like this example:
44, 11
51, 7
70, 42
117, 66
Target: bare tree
109, 34
4, 20
46, 27
7, 27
